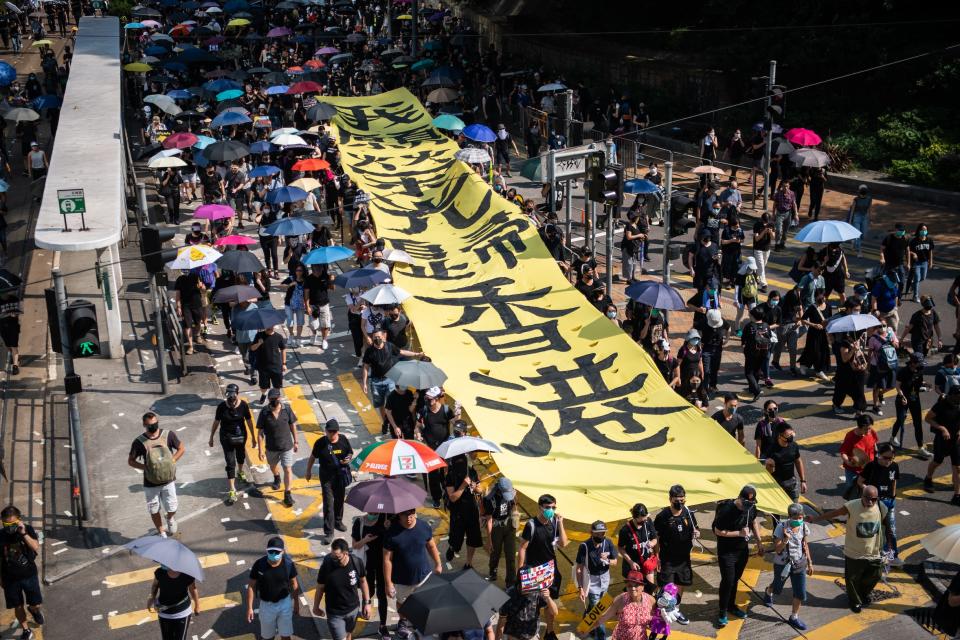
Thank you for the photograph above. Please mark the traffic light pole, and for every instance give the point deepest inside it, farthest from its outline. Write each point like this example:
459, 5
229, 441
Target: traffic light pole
614, 213
772, 80
667, 220
161, 340
73, 406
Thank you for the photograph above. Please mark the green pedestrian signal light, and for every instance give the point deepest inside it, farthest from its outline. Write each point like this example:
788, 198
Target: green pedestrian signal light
82, 329
89, 348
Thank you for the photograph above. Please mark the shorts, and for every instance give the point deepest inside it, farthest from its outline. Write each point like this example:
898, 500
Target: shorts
270, 378
380, 388
16, 592
276, 618
192, 316
323, 316
943, 448
284, 458
340, 626
404, 590
294, 316
10, 332
680, 574
164, 495
555, 587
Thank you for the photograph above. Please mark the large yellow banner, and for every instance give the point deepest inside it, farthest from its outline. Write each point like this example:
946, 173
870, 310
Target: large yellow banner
578, 408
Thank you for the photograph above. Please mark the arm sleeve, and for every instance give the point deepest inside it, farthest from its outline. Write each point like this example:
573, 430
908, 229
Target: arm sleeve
581, 554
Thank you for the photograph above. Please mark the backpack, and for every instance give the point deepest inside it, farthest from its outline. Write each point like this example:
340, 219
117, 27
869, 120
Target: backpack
749, 289
887, 357
762, 336
950, 380
159, 466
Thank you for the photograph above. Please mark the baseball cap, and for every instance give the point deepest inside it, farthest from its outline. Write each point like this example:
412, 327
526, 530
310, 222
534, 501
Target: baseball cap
275, 544
273, 393
332, 425
232, 390
598, 526
916, 357
433, 392
636, 577
34, 144
506, 488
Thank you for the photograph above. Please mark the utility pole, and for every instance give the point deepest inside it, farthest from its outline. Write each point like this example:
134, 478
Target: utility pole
768, 117
415, 14
551, 176
568, 115
73, 407
613, 213
667, 221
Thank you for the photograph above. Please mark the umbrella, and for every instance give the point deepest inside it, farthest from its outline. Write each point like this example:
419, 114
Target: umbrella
203, 142
386, 495
261, 146
803, 137
287, 194
440, 78
161, 101
166, 161
326, 255
443, 94
21, 114
321, 111
197, 255
656, 295
532, 170
214, 212
169, 552
448, 122
151, 23
479, 133
180, 140
284, 131
827, 231
640, 185
708, 170
307, 184
179, 94
782, 148
290, 227
306, 86
775, 128
239, 262
944, 543
358, 278
238, 22
48, 101
234, 241
473, 155
258, 319
136, 67
397, 457
7, 74
419, 65
287, 139
277, 90
397, 255
553, 86
279, 32
810, 158
134, 25
225, 151
9, 280
465, 444
326, 51
229, 94
385, 294
229, 118
852, 323
452, 601
264, 171
417, 374
43, 43
311, 164
341, 57
236, 293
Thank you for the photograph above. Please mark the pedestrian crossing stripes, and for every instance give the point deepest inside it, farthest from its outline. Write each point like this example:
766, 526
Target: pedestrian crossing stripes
145, 575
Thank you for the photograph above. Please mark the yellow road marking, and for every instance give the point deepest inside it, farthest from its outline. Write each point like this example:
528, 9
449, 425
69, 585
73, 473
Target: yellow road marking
144, 575
8, 620
360, 402
208, 603
836, 437
915, 489
306, 418
946, 522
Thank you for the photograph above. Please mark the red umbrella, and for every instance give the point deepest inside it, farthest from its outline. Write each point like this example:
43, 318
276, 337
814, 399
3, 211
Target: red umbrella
234, 241
180, 140
311, 164
314, 64
803, 137
295, 70
306, 86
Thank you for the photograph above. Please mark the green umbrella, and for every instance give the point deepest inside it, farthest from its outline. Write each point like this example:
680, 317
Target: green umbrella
448, 122
426, 63
531, 170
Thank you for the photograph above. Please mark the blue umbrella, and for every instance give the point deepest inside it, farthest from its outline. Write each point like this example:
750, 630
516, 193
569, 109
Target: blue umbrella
134, 25
216, 86
48, 101
7, 74
258, 319
179, 94
852, 323
235, 6
656, 295
826, 231
228, 118
277, 90
261, 146
289, 226
479, 133
264, 170
229, 94
287, 194
173, 65
156, 50
639, 185
203, 142
326, 255
365, 278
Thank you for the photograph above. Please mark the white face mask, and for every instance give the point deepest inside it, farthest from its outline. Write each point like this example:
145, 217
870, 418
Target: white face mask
654, 171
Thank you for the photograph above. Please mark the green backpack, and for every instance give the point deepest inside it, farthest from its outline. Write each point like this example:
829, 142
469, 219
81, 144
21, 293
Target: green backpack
159, 465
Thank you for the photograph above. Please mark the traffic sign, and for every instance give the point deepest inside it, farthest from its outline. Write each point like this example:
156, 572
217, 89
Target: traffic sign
71, 201
569, 163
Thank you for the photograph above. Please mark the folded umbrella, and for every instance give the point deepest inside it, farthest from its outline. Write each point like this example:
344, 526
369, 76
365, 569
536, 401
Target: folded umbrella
258, 319
852, 323
385, 294
169, 552
326, 255
239, 262
416, 374
465, 444
361, 278
452, 601
656, 295
386, 495
827, 231
289, 227
236, 293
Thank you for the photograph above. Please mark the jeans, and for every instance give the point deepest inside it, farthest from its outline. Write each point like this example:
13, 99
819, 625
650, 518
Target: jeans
600, 633
850, 489
761, 257
860, 221
861, 576
913, 406
918, 275
781, 225
333, 494
732, 565
890, 542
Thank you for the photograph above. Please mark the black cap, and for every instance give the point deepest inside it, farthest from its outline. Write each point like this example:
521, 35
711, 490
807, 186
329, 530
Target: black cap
332, 425
275, 544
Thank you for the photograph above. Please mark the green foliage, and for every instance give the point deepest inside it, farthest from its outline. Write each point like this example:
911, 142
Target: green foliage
840, 159
903, 133
121, 8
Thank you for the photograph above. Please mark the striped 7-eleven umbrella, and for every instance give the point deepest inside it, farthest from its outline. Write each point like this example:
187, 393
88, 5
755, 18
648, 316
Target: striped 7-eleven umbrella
398, 457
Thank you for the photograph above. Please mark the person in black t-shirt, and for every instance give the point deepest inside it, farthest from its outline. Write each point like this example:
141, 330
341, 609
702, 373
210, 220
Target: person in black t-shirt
947, 614
334, 453
274, 579
637, 544
539, 541
594, 559
234, 419
271, 350
378, 359
433, 427
909, 383
461, 484
501, 519
338, 578
395, 324
728, 418
883, 472
367, 532
784, 463
923, 328
676, 528
318, 285
19, 546
170, 595
944, 420
189, 296
894, 254
734, 524
921, 259
399, 410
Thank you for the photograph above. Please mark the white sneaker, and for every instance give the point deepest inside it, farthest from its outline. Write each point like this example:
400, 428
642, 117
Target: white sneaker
924, 453
294, 343
315, 339
822, 375
161, 533
172, 526
324, 345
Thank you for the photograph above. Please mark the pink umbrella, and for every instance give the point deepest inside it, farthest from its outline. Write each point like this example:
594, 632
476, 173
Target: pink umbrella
326, 51
213, 212
234, 241
279, 32
151, 23
803, 137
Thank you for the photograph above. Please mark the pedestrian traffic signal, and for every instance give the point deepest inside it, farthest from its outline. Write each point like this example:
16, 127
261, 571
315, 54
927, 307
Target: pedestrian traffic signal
151, 247
680, 207
606, 184
82, 329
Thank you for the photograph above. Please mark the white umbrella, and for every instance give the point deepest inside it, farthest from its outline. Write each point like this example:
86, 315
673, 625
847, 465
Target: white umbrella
396, 255
944, 543
465, 444
169, 161
13, 7
165, 153
168, 552
852, 323
287, 139
810, 158
385, 294
284, 131
473, 155
163, 102
194, 256
21, 114
553, 86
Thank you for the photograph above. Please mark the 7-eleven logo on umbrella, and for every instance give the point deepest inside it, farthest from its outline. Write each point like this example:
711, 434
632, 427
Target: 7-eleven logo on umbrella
406, 463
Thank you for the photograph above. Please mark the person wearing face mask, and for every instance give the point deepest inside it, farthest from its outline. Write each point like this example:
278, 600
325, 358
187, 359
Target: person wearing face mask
668, 366
909, 384
708, 147
706, 261
731, 241
734, 525
378, 359
791, 560
611, 312
171, 594
789, 309
757, 339
784, 463
948, 375
944, 421
676, 528
273, 578
395, 324
539, 541
592, 569
690, 357
637, 544
377, 261
924, 324
858, 448
461, 483
785, 210
19, 576
895, 256
714, 332
277, 433
735, 152
729, 419
234, 420
867, 524
920, 259
156, 452
334, 453
763, 236
340, 576
501, 519
367, 533
883, 472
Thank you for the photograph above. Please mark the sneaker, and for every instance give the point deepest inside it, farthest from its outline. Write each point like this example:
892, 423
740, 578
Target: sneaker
293, 343
324, 344
895, 442
214, 321
955, 500
231, 498
768, 382
768, 598
173, 526
738, 612
916, 299
241, 476
436, 504
924, 453
340, 526
27, 635
722, 620
896, 562
287, 499
314, 339
276, 483
877, 410
928, 485
37, 615
162, 533
263, 398
796, 372
837, 410
797, 623
253, 380
492, 576
450, 554
757, 395
682, 619
822, 375
856, 608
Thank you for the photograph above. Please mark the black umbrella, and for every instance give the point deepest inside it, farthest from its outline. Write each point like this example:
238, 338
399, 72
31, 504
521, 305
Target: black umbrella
252, 37
239, 262
275, 77
365, 278
149, 150
258, 319
259, 70
236, 293
226, 151
452, 601
356, 38
9, 280
321, 111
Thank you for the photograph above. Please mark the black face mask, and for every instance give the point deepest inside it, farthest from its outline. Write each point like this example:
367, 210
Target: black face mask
598, 539
788, 439
274, 402
677, 504
152, 428
771, 413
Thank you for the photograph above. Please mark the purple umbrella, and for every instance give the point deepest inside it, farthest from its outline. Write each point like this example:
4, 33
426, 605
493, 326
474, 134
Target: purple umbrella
386, 495
326, 51
213, 212
279, 32
656, 295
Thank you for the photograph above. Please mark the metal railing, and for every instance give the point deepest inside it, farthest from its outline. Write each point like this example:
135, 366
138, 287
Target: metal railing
521, 119
174, 332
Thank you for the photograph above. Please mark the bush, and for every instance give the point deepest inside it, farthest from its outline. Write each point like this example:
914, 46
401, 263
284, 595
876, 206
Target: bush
903, 133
